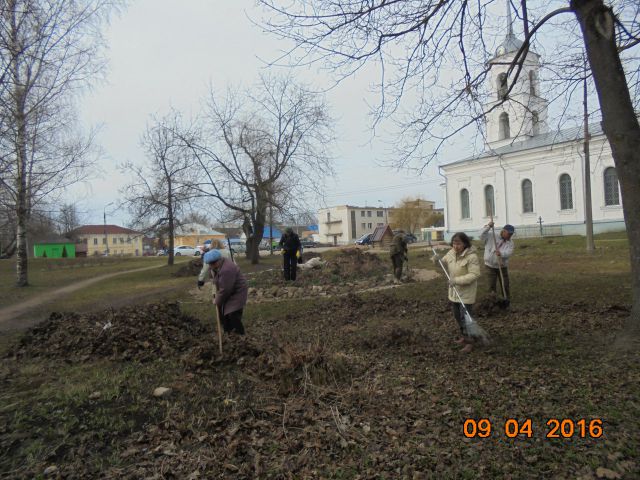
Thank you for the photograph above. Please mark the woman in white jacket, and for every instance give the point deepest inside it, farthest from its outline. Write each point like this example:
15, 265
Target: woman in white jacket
464, 270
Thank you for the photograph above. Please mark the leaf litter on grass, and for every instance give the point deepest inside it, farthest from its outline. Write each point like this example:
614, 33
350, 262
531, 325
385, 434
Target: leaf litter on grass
366, 388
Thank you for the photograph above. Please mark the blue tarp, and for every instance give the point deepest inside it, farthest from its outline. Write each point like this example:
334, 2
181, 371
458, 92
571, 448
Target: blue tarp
276, 233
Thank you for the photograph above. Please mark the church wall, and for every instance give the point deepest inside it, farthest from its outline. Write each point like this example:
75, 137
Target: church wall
543, 167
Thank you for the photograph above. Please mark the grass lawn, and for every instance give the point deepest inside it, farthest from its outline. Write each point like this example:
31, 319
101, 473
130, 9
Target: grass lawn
356, 387
46, 274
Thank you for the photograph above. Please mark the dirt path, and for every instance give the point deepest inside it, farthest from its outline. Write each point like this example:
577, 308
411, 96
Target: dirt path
10, 316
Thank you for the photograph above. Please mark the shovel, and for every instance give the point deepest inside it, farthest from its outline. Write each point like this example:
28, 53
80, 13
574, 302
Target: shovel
504, 301
472, 327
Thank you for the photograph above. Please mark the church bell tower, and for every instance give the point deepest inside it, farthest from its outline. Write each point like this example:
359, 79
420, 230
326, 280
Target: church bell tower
523, 112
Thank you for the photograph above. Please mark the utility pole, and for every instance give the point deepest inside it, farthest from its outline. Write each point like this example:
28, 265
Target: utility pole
106, 240
588, 214
104, 217
270, 229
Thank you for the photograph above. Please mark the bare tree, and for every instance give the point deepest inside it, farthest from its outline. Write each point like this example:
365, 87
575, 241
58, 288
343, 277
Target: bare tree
68, 219
161, 190
412, 214
262, 149
48, 50
440, 50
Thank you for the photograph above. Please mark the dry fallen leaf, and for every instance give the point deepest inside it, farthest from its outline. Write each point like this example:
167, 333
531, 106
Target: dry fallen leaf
602, 472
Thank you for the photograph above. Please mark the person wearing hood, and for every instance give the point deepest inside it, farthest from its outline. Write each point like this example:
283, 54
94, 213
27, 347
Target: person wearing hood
291, 249
231, 290
464, 270
498, 247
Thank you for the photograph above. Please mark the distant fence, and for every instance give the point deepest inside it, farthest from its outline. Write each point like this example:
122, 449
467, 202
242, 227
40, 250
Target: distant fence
536, 232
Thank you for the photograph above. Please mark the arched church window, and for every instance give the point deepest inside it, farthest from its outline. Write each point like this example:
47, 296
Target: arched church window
465, 211
502, 86
504, 129
566, 195
535, 123
489, 203
533, 83
527, 196
611, 190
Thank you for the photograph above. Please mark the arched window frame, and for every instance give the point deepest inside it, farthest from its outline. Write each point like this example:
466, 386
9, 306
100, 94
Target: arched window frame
489, 201
465, 210
565, 188
611, 187
535, 123
502, 86
526, 186
504, 130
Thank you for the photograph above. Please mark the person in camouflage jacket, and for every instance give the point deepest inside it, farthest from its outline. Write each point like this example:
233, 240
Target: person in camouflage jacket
398, 252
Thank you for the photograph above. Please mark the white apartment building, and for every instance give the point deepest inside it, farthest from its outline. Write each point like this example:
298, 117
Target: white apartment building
344, 224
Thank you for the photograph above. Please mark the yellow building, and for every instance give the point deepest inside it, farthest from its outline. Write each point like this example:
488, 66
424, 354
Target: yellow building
109, 239
194, 234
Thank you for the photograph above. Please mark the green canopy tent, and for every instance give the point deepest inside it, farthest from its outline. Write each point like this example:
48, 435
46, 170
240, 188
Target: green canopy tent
54, 249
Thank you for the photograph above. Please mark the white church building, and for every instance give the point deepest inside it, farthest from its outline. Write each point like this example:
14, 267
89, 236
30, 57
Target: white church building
529, 176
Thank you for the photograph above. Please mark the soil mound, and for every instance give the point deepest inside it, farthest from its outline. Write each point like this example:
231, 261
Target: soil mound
345, 266
141, 333
355, 261
191, 269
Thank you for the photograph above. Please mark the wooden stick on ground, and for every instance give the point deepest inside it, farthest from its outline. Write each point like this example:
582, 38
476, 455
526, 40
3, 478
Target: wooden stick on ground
219, 327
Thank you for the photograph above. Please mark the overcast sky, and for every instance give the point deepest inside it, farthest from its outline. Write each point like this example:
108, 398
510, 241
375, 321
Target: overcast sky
165, 54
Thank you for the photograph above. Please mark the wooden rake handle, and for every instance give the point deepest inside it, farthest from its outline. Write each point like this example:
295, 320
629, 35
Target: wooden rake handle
495, 248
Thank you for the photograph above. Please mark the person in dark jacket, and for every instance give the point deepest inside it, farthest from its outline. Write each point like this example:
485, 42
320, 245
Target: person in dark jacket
398, 252
291, 248
231, 290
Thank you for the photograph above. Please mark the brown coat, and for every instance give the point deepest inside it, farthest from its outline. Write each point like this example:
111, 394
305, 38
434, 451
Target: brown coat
231, 287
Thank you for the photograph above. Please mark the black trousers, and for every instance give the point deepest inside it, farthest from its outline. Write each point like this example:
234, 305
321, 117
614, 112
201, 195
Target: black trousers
458, 314
397, 260
494, 277
290, 265
233, 322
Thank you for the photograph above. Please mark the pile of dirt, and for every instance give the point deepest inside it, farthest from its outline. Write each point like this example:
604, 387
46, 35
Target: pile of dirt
340, 274
142, 333
306, 256
191, 269
354, 261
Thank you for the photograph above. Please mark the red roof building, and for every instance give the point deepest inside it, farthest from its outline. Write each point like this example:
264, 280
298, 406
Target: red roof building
109, 240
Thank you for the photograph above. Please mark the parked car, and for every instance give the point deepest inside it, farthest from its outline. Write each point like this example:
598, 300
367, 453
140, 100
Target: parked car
308, 243
365, 239
238, 248
185, 250
264, 245
410, 238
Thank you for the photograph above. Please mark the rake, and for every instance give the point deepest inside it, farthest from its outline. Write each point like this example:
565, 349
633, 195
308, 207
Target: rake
504, 302
472, 327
